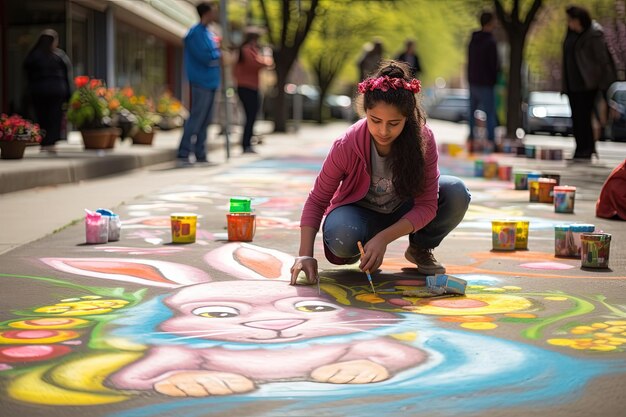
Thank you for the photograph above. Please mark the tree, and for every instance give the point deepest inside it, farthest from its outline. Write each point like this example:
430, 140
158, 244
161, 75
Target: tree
333, 47
517, 31
294, 24
334, 41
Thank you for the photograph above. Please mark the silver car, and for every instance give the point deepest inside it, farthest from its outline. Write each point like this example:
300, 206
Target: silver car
547, 111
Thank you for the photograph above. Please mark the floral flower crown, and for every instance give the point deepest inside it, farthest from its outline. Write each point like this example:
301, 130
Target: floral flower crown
384, 83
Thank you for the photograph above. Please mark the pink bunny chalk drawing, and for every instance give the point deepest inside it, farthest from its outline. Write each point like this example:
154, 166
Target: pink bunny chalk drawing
259, 329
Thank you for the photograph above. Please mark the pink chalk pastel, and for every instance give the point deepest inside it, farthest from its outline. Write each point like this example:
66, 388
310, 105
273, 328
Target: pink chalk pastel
547, 265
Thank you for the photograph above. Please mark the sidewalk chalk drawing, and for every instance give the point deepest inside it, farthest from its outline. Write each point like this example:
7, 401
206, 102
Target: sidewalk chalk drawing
196, 341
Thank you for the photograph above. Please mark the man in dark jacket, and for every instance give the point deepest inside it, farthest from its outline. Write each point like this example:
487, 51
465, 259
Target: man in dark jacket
588, 69
482, 72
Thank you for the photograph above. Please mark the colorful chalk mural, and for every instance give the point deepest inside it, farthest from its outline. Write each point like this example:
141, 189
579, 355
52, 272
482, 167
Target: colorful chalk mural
217, 325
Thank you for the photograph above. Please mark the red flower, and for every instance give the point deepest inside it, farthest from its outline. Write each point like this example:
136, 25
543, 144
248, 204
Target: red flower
81, 81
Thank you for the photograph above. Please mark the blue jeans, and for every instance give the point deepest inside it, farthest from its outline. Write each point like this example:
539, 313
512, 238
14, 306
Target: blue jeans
197, 124
346, 225
484, 98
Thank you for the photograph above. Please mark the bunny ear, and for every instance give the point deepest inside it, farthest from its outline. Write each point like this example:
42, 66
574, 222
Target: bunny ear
142, 271
245, 261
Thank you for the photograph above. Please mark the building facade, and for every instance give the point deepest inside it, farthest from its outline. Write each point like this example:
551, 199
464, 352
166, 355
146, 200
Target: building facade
135, 43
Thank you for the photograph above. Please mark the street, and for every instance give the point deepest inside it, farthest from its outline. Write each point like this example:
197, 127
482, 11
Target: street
146, 327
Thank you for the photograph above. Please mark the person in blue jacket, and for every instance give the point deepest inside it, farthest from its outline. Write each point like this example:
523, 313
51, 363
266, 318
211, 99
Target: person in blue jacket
202, 60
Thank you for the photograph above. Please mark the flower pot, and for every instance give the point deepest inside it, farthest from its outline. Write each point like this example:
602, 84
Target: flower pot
13, 149
143, 138
99, 138
115, 133
170, 122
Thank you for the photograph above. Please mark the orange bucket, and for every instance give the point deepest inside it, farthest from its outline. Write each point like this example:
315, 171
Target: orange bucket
241, 226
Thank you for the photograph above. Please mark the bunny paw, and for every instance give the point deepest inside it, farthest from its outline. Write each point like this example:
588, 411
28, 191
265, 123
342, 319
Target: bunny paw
352, 372
203, 384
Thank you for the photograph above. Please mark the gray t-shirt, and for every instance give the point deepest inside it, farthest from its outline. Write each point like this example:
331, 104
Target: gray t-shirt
381, 196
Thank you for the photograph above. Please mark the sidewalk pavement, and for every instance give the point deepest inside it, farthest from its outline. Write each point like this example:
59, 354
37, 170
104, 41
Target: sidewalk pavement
144, 327
72, 164
24, 182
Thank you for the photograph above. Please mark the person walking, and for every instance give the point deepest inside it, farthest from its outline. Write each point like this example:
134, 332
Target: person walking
380, 181
249, 63
202, 60
371, 57
588, 70
483, 66
49, 73
409, 55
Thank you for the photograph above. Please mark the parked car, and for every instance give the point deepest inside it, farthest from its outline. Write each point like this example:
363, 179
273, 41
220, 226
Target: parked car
451, 105
617, 111
337, 106
547, 111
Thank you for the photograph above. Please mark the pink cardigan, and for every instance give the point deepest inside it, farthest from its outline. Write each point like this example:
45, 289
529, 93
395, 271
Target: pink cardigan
345, 178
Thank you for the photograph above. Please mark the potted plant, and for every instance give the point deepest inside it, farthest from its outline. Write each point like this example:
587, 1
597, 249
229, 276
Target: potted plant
171, 111
91, 110
126, 117
146, 121
15, 134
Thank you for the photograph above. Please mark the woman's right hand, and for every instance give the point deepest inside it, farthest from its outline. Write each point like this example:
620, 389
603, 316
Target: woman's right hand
308, 264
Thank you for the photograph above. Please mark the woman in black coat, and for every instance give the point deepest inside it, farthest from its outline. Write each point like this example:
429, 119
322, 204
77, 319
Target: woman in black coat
588, 69
48, 70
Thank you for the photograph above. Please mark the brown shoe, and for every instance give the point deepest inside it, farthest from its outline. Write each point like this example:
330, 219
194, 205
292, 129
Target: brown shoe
425, 260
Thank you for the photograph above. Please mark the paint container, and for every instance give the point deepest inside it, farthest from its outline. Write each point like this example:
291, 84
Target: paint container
454, 149
520, 179
575, 231
503, 234
564, 197
115, 224
115, 228
530, 151
595, 249
533, 190
504, 173
561, 247
556, 177
544, 154
491, 169
96, 228
546, 190
479, 168
240, 205
520, 150
241, 226
521, 234
183, 227
556, 154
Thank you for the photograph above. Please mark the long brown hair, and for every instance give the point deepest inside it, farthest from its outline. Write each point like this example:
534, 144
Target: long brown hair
406, 159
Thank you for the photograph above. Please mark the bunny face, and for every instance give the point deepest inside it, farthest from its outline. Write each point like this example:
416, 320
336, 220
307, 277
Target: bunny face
263, 312
206, 335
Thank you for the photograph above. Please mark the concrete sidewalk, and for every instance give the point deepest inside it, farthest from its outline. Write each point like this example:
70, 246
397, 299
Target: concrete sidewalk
144, 327
72, 163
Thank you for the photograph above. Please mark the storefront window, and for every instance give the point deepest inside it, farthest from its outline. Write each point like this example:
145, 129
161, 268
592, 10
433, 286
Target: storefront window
25, 22
140, 60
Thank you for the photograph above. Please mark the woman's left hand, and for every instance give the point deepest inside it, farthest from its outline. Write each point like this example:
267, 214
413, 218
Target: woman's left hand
374, 250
